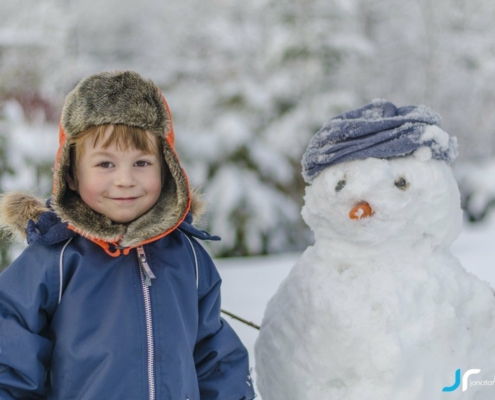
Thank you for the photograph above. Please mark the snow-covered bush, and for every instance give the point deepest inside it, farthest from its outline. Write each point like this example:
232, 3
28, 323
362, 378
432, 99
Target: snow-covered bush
5, 170
477, 186
27, 152
36, 62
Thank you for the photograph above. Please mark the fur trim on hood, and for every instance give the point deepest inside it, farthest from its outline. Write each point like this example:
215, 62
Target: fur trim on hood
17, 209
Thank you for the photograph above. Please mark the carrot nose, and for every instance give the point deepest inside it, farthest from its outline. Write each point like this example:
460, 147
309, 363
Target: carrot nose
362, 210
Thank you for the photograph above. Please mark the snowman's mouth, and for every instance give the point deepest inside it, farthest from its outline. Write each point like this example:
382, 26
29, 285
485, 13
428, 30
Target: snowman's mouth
361, 210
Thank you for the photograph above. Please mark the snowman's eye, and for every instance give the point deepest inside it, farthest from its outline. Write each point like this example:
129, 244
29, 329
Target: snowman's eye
402, 184
340, 185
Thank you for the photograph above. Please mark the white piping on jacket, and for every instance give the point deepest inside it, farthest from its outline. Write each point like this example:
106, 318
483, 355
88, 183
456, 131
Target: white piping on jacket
61, 270
195, 259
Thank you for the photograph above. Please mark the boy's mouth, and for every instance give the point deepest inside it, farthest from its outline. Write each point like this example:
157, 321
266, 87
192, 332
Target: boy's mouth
124, 199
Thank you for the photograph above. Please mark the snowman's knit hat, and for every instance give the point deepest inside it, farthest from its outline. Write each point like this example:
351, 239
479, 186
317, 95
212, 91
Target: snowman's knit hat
379, 130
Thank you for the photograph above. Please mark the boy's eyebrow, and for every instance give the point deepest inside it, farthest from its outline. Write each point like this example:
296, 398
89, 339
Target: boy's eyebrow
101, 153
110, 154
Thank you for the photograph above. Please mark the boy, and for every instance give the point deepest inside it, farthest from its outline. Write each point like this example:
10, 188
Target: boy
114, 298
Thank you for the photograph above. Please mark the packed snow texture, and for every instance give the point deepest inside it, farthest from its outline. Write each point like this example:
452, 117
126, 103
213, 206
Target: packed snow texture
378, 308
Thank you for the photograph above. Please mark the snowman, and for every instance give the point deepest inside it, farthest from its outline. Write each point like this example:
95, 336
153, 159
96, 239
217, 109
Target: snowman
378, 308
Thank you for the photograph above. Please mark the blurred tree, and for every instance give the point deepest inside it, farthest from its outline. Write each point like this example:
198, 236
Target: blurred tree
248, 84
267, 80
27, 151
36, 47
34, 39
5, 169
438, 53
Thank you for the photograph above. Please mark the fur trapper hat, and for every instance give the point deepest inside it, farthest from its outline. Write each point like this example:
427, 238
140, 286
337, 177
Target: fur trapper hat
115, 98
119, 98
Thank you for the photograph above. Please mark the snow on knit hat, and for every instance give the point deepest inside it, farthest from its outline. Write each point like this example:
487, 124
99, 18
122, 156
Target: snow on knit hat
120, 98
379, 130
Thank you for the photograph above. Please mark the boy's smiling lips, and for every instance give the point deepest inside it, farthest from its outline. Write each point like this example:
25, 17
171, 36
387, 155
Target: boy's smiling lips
124, 200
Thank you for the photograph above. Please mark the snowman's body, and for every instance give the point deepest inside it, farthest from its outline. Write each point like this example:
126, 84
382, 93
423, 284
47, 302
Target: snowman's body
378, 308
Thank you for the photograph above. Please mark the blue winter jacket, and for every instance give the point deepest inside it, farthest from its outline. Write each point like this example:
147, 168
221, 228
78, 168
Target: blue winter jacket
77, 323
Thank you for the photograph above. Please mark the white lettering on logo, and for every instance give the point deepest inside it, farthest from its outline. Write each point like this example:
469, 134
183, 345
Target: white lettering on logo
466, 376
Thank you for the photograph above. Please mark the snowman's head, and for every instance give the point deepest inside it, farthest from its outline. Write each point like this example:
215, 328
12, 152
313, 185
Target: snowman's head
397, 201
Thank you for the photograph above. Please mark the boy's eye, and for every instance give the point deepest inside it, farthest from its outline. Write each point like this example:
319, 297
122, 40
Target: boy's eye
142, 163
105, 164
401, 183
340, 185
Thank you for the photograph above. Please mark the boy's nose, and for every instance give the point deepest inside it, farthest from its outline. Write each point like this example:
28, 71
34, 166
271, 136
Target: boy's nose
124, 178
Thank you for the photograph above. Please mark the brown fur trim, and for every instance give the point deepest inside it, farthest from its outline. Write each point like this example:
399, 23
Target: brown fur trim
115, 98
198, 206
16, 209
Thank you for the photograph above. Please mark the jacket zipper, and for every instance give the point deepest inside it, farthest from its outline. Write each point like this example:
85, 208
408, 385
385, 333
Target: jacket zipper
146, 277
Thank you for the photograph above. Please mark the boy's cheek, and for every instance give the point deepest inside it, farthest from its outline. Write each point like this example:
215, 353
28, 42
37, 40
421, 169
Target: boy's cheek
89, 188
87, 196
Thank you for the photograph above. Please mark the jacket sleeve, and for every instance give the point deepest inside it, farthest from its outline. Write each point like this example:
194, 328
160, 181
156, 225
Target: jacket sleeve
25, 309
222, 363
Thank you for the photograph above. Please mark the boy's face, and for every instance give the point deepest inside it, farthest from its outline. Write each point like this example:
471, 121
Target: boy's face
120, 184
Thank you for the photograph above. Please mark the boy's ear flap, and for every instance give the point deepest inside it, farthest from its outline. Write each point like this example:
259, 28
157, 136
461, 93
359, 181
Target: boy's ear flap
71, 182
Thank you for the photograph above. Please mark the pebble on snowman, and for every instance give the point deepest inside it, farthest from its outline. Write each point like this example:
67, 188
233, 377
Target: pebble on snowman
378, 308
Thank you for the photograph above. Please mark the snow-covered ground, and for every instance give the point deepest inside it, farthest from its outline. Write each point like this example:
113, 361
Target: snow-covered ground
248, 283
